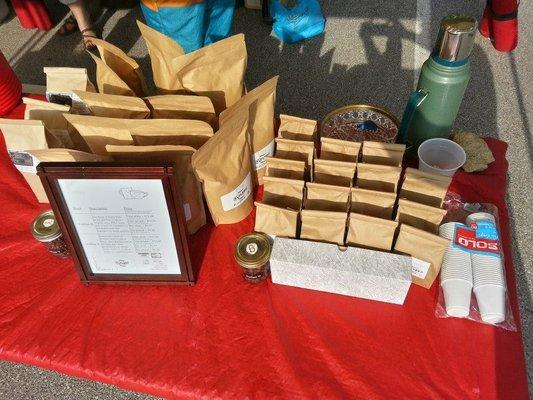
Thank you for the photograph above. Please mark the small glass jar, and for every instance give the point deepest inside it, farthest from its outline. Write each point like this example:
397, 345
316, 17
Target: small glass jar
252, 253
45, 229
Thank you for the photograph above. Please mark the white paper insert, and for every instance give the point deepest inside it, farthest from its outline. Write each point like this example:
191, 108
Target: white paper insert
420, 267
237, 196
23, 161
260, 156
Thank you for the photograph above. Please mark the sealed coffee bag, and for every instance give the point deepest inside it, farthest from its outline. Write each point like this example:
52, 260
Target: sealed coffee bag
282, 168
187, 185
424, 187
113, 106
339, 173
371, 232
51, 114
427, 251
295, 150
339, 150
184, 132
378, 177
61, 83
223, 165
324, 226
372, 202
383, 153
285, 193
182, 107
296, 128
419, 215
327, 197
108, 81
259, 104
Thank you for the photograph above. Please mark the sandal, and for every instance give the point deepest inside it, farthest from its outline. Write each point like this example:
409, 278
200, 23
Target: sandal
69, 27
87, 38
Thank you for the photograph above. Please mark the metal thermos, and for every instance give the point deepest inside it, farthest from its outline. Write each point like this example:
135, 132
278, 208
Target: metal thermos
433, 107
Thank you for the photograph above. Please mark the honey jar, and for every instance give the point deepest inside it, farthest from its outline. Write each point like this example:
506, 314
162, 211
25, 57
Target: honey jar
45, 229
252, 253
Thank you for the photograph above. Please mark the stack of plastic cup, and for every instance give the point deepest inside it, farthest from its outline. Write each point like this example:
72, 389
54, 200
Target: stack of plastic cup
455, 275
489, 277
10, 87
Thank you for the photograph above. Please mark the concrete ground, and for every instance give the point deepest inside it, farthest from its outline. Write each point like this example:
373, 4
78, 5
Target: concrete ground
371, 53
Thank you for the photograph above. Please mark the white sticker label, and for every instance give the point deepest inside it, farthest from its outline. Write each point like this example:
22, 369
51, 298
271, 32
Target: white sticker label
187, 211
23, 160
48, 222
252, 248
420, 268
237, 196
261, 155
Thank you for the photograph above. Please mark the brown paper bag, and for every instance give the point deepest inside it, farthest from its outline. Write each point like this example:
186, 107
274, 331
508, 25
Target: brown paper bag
339, 150
184, 132
327, 197
276, 221
378, 177
339, 173
50, 113
284, 193
419, 215
67, 155
296, 128
187, 185
383, 153
224, 166
61, 83
373, 203
113, 106
108, 81
259, 104
427, 249
124, 66
425, 187
324, 226
182, 107
371, 232
281, 168
295, 150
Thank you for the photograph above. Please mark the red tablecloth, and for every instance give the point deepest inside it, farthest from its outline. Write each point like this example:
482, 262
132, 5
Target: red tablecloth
224, 338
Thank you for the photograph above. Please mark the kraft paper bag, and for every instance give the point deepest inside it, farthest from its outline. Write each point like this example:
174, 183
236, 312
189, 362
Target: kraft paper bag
425, 187
276, 221
51, 114
123, 65
61, 83
339, 173
187, 185
372, 202
184, 132
259, 104
323, 226
370, 232
282, 168
383, 153
378, 177
281, 192
67, 155
419, 215
113, 106
296, 128
339, 150
224, 166
108, 81
327, 197
426, 248
182, 107
298, 150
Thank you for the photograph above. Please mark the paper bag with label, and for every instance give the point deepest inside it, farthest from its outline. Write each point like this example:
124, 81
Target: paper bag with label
339, 173
426, 248
175, 132
282, 168
295, 150
224, 167
327, 197
259, 104
339, 150
113, 106
373, 203
378, 177
61, 83
182, 107
371, 232
425, 187
296, 128
383, 153
324, 226
187, 185
419, 215
108, 81
127, 69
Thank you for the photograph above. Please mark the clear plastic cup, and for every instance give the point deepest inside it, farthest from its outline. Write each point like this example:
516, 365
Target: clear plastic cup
491, 301
457, 294
440, 156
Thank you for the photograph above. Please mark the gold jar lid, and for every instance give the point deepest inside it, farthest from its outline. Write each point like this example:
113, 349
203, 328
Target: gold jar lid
253, 250
44, 227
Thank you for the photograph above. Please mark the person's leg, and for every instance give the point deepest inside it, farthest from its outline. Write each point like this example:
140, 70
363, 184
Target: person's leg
81, 14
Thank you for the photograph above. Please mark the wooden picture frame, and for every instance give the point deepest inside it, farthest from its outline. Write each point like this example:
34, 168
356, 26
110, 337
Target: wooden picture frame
123, 221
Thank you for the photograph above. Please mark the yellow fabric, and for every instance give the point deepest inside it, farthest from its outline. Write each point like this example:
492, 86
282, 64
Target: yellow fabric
155, 5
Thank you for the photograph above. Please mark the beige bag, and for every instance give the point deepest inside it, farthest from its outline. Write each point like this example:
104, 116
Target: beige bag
295, 128
281, 168
373, 203
113, 106
378, 177
259, 104
383, 153
371, 232
295, 150
276, 221
61, 83
339, 173
184, 132
224, 166
108, 81
124, 66
327, 197
187, 185
182, 107
324, 226
427, 249
284, 193
419, 215
67, 155
50, 113
425, 187
339, 150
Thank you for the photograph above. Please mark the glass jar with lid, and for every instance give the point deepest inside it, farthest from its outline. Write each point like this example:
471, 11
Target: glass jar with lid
46, 230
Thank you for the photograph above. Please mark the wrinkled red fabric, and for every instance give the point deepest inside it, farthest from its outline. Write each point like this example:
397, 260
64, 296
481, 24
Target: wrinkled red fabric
225, 338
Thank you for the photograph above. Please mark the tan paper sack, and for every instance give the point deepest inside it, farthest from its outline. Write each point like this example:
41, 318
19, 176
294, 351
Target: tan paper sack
50, 113
176, 106
113, 106
324, 226
286, 193
67, 155
339, 150
296, 128
61, 83
371, 232
282, 168
108, 81
383, 153
182, 132
424, 187
298, 150
419, 215
378, 177
372, 202
327, 197
339, 173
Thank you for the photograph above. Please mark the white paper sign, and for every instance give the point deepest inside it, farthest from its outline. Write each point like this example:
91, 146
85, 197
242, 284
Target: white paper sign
123, 225
237, 196
420, 267
260, 156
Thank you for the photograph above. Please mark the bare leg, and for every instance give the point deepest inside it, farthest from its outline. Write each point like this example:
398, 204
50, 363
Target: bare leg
83, 18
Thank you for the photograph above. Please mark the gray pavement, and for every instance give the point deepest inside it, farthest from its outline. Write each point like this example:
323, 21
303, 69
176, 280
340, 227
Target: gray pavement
371, 52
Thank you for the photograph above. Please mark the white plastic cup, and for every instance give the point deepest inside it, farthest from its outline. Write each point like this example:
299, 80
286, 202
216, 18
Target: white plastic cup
440, 156
447, 230
491, 300
457, 294
456, 263
487, 269
480, 216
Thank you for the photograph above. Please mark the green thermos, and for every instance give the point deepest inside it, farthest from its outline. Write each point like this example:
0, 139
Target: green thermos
433, 107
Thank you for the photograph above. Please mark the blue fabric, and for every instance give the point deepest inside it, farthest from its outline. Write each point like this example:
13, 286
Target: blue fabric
219, 18
303, 21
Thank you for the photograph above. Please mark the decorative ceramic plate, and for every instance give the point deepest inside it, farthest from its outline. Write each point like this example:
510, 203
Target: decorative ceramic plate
360, 122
